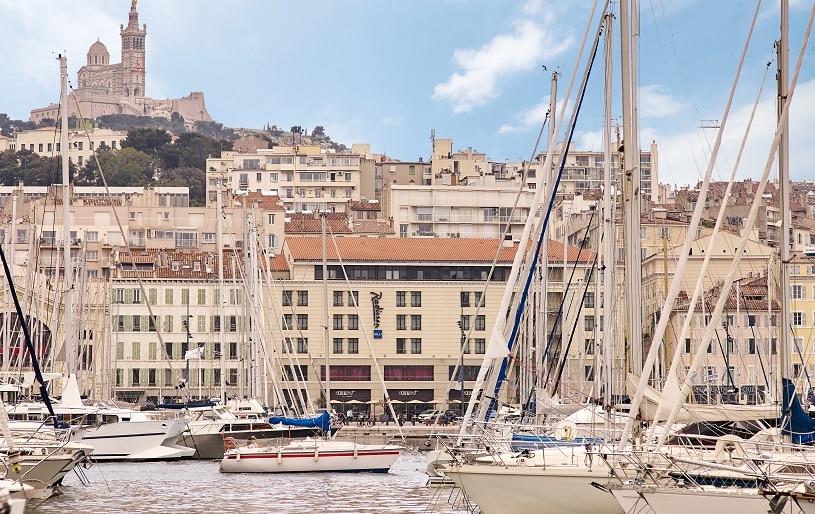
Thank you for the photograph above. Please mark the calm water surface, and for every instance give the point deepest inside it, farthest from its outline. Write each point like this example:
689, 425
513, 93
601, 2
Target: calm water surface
198, 486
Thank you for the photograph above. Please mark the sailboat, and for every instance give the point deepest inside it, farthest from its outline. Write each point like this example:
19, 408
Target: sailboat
312, 454
114, 433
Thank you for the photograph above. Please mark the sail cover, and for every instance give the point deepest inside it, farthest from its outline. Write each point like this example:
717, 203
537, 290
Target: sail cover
798, 425
323, 421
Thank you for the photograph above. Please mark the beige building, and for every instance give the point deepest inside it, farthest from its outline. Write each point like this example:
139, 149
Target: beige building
305, 178
741, 363
82, 144
471, 210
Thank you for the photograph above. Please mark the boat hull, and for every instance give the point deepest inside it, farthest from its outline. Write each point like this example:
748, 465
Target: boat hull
306, 458
720, 501
136, 441
531, 490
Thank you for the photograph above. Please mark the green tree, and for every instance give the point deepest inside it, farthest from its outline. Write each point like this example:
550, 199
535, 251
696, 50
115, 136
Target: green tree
148, 140
191, 150
123, 167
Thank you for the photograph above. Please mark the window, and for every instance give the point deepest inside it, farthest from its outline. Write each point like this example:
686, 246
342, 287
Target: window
353, 345
302, 321
337, 321
464, 322
401, 298
168, 296
799, 319
751, 320
353, 322
687, 348
135, 375
589, 373
589, 346
338, 296
337, 345
137, 296
481, 322
185, 297
287, 346
416, 345
202, 297
465, 298
589, 323
302, 298
400, 322
302, 345
480, 345
798, 292
287, 322
136, 323
588, 300
353, 298
751, 345
479, 299
466, 347
415, 298
401, 345
415, 321
287, 295
186, 240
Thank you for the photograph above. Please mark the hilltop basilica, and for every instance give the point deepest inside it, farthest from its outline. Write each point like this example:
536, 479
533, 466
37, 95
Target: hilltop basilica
104, 88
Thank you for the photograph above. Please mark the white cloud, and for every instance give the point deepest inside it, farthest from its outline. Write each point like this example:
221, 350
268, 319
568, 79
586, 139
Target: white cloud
533, 117
501, 57
683, 156
656, 103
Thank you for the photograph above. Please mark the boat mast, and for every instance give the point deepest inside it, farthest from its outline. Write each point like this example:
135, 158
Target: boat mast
326, 334
68, 308
607, 228
629, 29
221, 296
784, 347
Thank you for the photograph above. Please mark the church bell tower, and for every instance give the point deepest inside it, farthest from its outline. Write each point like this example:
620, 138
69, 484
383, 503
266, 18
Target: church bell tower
133, 52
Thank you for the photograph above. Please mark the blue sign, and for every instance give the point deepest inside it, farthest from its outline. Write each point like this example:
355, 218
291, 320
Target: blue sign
378, 333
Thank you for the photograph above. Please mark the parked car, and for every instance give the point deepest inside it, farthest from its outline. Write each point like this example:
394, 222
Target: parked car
428, 415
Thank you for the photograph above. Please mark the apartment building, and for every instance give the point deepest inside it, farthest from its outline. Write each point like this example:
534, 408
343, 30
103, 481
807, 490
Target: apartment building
306, 178
83, 144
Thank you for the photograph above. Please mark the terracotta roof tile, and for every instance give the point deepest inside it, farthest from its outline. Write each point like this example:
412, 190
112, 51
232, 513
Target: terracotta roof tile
372, 227
391, 249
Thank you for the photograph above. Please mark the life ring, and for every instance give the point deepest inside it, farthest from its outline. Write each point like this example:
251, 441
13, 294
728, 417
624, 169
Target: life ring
229, 443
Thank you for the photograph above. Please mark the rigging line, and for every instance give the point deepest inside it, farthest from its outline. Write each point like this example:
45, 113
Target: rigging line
551, 336
365, 332
487, 281
673, 291
275, 323
24, 325
542, 235
478, 408
136, 273
576, 321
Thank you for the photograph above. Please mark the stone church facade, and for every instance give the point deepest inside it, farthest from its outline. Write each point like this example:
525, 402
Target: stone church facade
104, 88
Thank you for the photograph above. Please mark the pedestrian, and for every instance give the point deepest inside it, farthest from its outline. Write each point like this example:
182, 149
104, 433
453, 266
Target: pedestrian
349, 416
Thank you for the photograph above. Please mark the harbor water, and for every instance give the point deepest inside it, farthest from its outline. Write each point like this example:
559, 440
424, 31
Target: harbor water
194, 486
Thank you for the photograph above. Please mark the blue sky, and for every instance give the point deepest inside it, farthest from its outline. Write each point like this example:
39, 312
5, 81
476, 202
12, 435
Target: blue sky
387, 72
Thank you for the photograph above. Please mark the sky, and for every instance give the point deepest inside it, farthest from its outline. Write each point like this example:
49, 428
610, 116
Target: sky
390, 73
